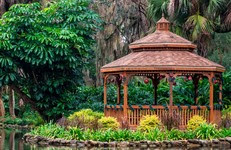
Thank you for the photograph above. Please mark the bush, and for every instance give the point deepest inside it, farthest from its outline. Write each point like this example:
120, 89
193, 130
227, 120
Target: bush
106, 123
226, 118
51, 130
85, 118
195, 122
148, 123
206, 131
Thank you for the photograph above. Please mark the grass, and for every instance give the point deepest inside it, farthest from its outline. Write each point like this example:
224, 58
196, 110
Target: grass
205, 131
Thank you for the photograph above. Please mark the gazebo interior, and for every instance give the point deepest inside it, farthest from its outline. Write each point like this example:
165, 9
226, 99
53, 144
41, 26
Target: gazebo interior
162, 55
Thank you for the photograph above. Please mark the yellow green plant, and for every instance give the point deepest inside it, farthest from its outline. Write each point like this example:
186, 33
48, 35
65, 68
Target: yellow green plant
195, 122
85, 118
148, 123
106, 123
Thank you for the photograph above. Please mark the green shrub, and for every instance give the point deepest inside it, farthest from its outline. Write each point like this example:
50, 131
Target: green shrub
148, 123
85, 118
106, 123
195, 122
226, 118
51, 130
206, 131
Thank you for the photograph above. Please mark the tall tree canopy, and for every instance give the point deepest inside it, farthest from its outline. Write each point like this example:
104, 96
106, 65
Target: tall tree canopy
43, 51
196, 19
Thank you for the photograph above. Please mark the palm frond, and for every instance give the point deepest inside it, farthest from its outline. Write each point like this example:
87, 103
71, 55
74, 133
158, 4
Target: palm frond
199, 24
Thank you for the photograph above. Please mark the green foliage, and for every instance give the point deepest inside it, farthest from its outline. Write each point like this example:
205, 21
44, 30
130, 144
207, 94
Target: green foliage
148, 123
196, 20
106, 123
195, 122
226, 118
44, 51
33, 119
206, 131
51, 130
85, 118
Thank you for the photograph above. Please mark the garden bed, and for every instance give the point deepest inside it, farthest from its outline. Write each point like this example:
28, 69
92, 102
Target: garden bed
223, 143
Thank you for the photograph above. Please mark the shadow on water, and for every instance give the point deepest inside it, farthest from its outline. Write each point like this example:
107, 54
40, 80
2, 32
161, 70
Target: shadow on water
11, 139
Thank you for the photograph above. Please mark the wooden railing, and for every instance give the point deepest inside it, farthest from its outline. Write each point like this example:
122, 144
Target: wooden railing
183, 113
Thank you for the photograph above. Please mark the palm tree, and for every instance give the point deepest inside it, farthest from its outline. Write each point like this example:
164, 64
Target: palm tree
197, 20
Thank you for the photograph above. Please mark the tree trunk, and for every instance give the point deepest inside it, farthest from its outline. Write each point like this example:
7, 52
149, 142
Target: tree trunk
2, 108
12, 103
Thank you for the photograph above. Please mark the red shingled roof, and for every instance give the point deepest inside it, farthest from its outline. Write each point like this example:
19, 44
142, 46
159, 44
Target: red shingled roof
162, 60
162, 50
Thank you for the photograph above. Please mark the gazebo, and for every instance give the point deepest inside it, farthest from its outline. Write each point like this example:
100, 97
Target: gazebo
162, 55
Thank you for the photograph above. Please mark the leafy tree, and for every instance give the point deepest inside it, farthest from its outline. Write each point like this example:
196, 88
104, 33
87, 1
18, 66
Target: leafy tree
43, 52
196, 19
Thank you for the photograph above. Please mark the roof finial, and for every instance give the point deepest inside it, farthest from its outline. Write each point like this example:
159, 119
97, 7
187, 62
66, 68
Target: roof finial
163, 24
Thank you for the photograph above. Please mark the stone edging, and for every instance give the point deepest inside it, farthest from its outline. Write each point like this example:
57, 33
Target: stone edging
15, 126
224, 143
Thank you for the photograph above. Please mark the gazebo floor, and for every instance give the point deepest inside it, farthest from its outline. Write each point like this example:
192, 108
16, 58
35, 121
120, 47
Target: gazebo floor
181, 114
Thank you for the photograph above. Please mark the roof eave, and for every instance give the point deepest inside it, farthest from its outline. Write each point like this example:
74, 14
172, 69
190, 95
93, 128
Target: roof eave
161, 45
162, 68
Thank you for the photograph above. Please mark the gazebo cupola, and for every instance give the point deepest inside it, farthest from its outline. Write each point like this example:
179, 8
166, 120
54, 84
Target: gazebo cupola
159, 55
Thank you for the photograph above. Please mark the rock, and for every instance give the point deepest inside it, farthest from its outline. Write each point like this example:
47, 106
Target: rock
55, 142
193, 146
215, 143
152, 145
32, 140
112, 144
73, 142
184, 143
65, 142
176, 143
93, 143
228, 139
132, 144
194, 141
123, 144
143, 144
105, 144
137, 143
222, 139
80, 144
166, 144
204, 143
43, 142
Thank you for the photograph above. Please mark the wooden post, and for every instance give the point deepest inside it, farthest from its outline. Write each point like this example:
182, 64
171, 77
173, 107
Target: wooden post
220, 92
118, 81
105, 90
126, 98
211, 114
195, 82
170, 95
155, 82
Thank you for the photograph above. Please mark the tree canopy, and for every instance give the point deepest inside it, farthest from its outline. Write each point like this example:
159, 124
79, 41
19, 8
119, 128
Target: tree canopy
196, 19
43, 51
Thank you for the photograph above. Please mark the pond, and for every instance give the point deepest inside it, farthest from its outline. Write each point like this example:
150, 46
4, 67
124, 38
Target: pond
11, 139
